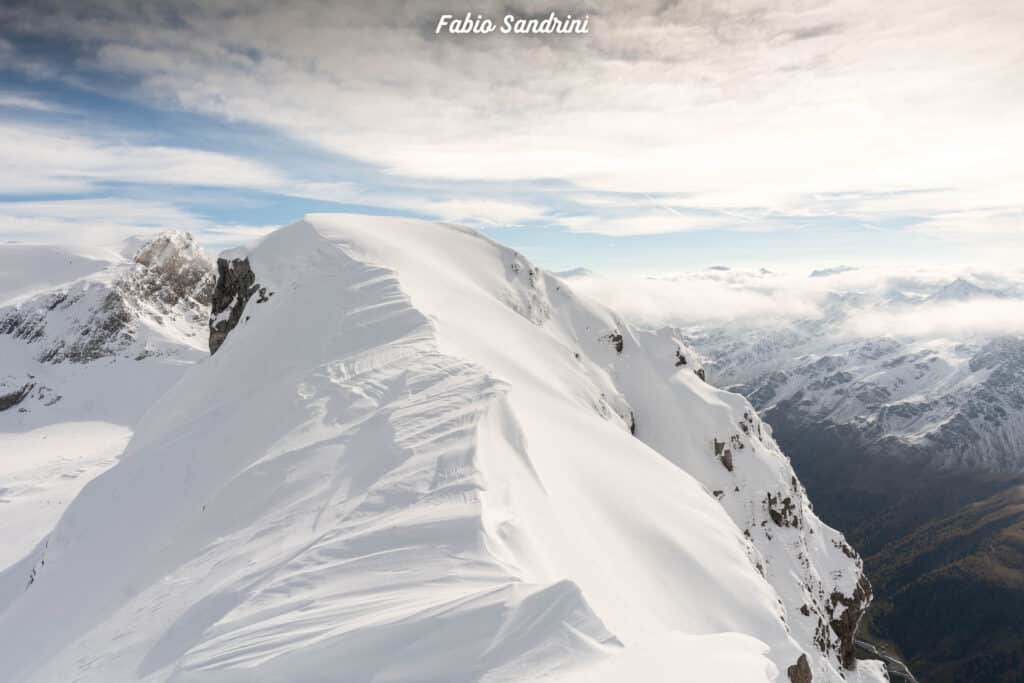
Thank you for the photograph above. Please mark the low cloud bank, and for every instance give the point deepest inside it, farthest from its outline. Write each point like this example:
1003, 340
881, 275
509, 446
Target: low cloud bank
694, 299
983, 317
851, 302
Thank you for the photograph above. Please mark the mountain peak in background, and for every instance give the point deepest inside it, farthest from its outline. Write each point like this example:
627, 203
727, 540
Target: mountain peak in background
964, 290
829, 272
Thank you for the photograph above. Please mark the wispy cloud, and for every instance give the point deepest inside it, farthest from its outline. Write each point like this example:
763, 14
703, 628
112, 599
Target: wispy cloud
19, 101
985, 317
37, 159
749, 116
645, 224
734, 106
483, 212
107, 221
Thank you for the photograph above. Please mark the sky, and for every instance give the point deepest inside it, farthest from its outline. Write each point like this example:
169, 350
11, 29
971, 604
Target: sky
672, 136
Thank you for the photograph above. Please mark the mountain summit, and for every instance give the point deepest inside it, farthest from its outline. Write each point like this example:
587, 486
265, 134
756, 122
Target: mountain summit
146, 299
417, 457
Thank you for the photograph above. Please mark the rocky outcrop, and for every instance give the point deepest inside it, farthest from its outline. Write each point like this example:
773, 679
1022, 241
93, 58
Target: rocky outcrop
104, 332
174, 269
9, 400
782, 510
723, 454
801, 671
236, 283
615, 339
846, 613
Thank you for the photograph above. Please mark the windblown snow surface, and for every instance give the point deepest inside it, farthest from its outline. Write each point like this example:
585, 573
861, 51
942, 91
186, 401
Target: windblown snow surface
413, 461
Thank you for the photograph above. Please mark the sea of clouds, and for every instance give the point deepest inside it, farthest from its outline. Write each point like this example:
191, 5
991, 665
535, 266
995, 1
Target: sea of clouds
857, 302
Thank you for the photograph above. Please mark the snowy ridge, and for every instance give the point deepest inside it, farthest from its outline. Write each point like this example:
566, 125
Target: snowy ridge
412, 461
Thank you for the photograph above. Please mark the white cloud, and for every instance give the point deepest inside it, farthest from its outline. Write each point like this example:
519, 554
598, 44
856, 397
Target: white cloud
218, 237
645, 224
866, 302
975, 224
982, 317
750, 110
482, 211
107, 221
36, 159
736, 105
19, 101
326, 191
697, 298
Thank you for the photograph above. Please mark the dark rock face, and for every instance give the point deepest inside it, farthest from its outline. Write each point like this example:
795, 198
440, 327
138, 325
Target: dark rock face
723, 454
727, 459
782, 510
236, 283
800, 672
615, 339
8, 401
845, 625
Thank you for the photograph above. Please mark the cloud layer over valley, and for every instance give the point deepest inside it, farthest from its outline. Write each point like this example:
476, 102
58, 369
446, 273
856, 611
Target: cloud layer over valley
852, 302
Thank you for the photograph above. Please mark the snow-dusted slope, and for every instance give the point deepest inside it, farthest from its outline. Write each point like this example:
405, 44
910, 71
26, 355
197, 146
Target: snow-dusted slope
27, 269
412, 460
87, 343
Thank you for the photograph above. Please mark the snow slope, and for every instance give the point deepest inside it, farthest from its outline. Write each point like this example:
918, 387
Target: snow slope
413, 461
87, 343
42, 470
27, 269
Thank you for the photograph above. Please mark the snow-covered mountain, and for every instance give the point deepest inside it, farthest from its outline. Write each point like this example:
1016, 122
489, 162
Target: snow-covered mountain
955, 401
87, 343
415, 456
901, 403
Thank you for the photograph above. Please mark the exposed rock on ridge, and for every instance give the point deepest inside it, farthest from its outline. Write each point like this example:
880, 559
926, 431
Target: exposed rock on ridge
236, 284
800, 672
9, 400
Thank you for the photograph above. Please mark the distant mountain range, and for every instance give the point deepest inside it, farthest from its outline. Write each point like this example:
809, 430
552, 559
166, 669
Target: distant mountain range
913, 445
